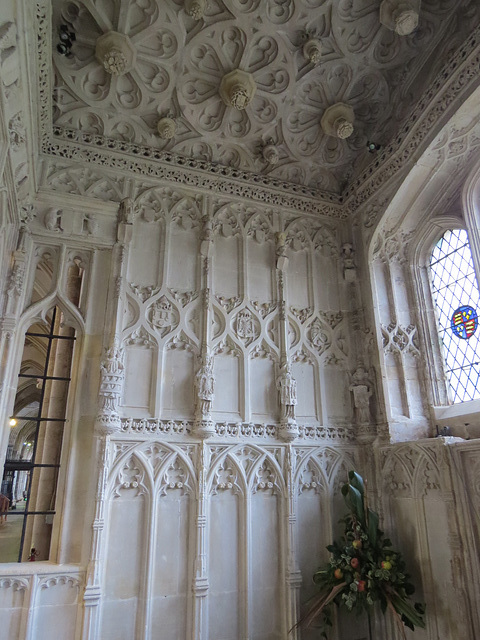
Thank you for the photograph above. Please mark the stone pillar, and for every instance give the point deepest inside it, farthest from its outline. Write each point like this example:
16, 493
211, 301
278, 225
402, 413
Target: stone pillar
204, 380
286, 383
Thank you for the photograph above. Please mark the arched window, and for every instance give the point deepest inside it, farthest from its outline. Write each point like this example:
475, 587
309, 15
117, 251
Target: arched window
29, 483
456, 296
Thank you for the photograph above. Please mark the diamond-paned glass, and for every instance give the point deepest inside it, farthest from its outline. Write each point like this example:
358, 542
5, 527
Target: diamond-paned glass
457, 301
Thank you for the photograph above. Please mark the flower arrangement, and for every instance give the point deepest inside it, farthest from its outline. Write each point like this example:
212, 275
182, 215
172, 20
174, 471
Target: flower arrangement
363, 570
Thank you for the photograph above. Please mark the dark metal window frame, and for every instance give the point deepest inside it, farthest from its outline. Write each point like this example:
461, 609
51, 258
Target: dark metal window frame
23, 465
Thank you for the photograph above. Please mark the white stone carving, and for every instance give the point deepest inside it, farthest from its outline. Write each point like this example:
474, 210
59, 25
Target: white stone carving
228, 303
162, 316
318, 337
337, 121
53, 220
90, 224
361, 388
205, 388
270, 153
237, 89
400, 16
398, 339
116, 53
245, 326
144, 292
166, 128
312, 50
196, 8
112, 377
127, 211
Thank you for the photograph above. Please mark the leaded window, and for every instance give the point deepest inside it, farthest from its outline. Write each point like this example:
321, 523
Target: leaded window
456, 297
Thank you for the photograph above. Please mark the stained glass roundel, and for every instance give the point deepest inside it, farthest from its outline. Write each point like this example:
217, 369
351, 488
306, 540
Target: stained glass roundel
464, 322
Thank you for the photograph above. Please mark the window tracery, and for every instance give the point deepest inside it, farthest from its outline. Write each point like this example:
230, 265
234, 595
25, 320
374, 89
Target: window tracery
456, 296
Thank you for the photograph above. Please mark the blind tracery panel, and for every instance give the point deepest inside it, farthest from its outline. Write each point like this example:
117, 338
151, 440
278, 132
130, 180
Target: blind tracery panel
456, 296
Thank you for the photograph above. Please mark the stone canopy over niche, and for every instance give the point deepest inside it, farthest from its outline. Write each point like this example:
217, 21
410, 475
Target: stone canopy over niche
179, 63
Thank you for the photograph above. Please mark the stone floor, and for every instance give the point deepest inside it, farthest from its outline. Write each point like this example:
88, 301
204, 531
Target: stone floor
11, 533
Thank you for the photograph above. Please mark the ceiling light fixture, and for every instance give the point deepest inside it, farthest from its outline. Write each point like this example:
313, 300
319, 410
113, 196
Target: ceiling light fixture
67, 38
372, 146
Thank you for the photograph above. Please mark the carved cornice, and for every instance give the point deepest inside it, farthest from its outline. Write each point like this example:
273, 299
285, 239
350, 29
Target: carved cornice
242, 430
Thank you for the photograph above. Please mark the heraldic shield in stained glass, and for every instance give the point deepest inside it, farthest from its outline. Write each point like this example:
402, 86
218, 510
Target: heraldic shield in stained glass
464, 322
457, 301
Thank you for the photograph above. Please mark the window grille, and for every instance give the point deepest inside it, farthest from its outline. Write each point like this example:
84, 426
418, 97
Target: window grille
31, 468
456, 296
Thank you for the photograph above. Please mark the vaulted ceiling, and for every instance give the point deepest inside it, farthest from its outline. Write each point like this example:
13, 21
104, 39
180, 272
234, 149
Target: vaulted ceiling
180, 62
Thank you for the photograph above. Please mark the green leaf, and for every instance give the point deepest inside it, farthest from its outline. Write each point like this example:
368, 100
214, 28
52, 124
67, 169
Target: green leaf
356, 481
354, 500
372, 527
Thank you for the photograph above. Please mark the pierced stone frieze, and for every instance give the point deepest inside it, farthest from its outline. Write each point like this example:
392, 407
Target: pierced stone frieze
163, 316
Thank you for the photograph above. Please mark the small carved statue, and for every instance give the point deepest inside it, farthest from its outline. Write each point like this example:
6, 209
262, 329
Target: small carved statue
90, 224
287, 385
205, 385
126, 211
362, 392
53, 220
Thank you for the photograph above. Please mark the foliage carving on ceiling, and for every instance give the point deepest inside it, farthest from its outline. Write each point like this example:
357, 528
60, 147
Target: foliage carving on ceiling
180, 61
